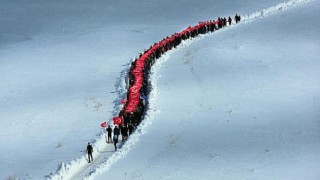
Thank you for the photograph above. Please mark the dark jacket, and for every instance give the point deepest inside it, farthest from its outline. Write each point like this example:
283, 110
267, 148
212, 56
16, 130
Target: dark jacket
109, 130
116, 131
89, 149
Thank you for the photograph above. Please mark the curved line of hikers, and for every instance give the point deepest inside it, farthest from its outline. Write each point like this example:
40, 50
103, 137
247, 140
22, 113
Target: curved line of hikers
136, 100
134, 105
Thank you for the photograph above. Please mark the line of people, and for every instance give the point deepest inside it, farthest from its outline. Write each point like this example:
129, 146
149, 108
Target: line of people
134, 104
140, 68
122, 130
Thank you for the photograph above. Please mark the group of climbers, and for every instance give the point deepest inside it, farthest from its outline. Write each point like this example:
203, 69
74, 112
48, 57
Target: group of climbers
135, 102
222, 22
122, 130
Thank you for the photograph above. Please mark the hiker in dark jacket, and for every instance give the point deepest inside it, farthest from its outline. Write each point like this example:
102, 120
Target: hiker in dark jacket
130, 128
116, 133
238, 18
89, 151
109, 130
124, 132
229, 20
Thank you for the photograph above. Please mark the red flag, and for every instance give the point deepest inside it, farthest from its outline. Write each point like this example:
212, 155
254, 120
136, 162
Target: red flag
135, 96
135, 88
118, 120
123, 101
104, 124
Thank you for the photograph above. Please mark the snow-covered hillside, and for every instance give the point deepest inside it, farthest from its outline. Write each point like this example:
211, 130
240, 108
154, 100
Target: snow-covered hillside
241, 103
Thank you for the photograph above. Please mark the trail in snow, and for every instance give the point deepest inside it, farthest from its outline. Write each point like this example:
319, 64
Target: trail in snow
104, 156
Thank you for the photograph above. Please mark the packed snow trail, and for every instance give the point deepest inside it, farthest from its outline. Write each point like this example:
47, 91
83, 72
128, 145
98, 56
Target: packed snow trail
103, 156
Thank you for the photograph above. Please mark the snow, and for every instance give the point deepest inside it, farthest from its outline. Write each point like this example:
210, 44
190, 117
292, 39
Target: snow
241, 103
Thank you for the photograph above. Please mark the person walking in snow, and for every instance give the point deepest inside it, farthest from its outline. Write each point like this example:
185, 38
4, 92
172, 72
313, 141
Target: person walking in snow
124, 132
130, 128
219, 23
237, 18
90, 151
224, 21
116, 133
120, 132
229, 20
109, 130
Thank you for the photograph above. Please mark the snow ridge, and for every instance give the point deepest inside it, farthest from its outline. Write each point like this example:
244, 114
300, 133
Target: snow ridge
76, 166
272, 10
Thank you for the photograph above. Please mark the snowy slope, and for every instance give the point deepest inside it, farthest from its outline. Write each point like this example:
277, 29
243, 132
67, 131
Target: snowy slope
60, 62
244, 104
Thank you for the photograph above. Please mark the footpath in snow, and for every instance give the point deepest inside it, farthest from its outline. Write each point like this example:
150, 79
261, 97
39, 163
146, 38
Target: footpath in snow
104, 155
